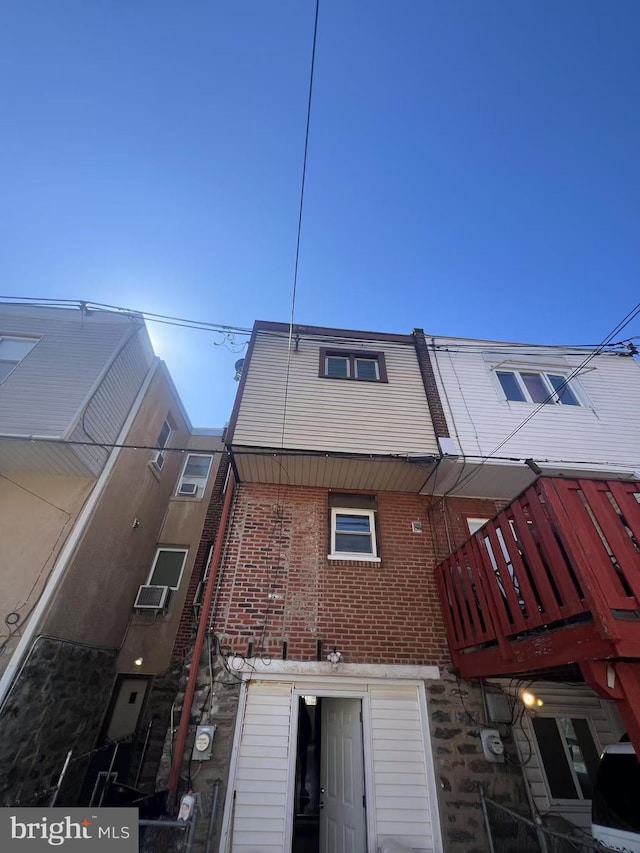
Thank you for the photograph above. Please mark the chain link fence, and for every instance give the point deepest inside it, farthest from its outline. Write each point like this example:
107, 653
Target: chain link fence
508, 831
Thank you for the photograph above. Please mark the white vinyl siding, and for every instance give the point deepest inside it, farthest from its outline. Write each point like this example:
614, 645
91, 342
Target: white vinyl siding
46, 395
400, 800
402, 805
569, 701
329, 415
603, 429
262, 772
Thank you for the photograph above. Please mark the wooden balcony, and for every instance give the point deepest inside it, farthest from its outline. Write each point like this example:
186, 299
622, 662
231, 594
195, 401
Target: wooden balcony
553, 579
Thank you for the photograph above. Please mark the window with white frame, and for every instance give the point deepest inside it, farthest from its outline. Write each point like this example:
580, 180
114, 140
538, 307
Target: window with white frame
358, 365
195, 473
162, 441
12, 352
534, 386
167, 568
352, 528
568, 754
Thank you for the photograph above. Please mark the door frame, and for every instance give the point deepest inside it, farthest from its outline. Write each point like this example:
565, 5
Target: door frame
354, 681
323, 690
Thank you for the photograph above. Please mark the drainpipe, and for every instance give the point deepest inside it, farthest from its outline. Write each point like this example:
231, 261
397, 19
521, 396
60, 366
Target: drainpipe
185, 716
64, 558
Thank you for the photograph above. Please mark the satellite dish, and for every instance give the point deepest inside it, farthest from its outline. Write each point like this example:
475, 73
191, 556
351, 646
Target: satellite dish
238, 366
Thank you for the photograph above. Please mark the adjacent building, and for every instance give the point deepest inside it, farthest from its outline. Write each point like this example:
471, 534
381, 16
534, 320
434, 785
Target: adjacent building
104, 492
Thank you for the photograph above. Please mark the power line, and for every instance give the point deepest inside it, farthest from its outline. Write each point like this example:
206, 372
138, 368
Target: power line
43, 439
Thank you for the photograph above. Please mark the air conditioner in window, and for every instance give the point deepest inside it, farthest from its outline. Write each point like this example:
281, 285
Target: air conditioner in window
188, 489
151, 597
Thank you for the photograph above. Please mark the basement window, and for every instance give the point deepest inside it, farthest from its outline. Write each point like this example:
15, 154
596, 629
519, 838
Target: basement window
353, 528
345, 364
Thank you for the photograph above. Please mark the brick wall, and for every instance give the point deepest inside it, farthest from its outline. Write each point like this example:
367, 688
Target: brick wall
278, 586
188, 624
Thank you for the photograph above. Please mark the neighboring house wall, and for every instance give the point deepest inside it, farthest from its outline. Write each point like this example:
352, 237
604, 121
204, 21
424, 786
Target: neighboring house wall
182, 528
37, 513
328, 414
48, 389
603, 431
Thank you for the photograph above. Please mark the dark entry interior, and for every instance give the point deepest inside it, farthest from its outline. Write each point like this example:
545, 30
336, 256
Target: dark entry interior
306, 824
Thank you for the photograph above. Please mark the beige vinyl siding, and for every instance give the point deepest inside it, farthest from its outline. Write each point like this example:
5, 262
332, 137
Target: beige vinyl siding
333, 414
570, 701
603, 431
402, 805
45, 392
262, 772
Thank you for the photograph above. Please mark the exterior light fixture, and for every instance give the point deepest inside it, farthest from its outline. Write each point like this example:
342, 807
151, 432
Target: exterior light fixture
334, 658
527, 698
139, 661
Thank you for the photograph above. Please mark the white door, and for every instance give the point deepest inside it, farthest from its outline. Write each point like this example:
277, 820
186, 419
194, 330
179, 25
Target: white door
127, 707
342, 804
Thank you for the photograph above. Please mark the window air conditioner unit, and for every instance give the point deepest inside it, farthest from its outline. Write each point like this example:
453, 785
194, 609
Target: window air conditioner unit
151, 597
188, 489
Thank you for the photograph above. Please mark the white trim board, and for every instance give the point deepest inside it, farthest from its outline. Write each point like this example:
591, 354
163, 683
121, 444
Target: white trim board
290, 668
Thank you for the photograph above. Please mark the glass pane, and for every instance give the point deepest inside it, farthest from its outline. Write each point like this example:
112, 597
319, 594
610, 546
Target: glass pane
12, 349
197, 466
337, 367
164, 434
353, 523
582, 750
510, 386
554, 759
367, 368
565, 394
5, 368
354, 543
166, 571
536, 387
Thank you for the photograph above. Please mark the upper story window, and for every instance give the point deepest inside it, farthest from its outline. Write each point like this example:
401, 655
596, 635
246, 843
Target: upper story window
167, 568
528, 386
12, 352
353, 534
162, 442
345, 364
474, 524
193, 480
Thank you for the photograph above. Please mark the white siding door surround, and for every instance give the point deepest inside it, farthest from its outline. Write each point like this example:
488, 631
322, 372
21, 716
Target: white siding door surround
399, 774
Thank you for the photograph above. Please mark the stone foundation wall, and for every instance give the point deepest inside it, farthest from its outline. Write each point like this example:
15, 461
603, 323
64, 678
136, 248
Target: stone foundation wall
56, 704
456, 717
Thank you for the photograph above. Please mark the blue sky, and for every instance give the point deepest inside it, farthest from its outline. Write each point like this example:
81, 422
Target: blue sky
473, 166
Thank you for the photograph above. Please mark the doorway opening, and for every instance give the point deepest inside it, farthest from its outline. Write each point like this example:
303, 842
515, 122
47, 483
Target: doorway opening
329, 802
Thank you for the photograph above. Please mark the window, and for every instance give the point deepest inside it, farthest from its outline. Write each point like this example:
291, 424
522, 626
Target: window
167, 567
569, 756
12, 352
474, 524
162, 442
362, 366
525, 386
353, 528
195, 473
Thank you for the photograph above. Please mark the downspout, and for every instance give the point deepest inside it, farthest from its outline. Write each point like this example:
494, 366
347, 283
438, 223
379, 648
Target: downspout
64, 558
185, 715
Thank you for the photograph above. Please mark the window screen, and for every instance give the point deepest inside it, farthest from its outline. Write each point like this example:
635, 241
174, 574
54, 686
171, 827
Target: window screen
168, 568
197, 466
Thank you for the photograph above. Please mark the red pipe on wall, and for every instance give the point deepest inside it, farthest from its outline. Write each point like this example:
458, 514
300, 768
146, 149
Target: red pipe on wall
185, 716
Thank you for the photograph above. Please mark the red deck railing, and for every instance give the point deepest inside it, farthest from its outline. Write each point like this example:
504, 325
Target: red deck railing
553, 579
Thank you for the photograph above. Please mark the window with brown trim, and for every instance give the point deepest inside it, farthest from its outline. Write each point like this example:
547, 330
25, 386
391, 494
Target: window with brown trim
348, 364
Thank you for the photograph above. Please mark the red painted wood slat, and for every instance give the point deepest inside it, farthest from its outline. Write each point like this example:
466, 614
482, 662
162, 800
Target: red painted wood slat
518, 623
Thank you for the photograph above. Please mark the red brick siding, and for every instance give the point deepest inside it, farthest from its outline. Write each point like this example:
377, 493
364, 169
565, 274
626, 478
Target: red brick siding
373, 613
187, 626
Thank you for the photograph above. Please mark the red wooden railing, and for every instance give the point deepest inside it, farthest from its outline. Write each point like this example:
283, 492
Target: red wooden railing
554, 578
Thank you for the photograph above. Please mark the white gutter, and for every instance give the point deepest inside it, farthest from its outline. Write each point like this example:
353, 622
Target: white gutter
58, 572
